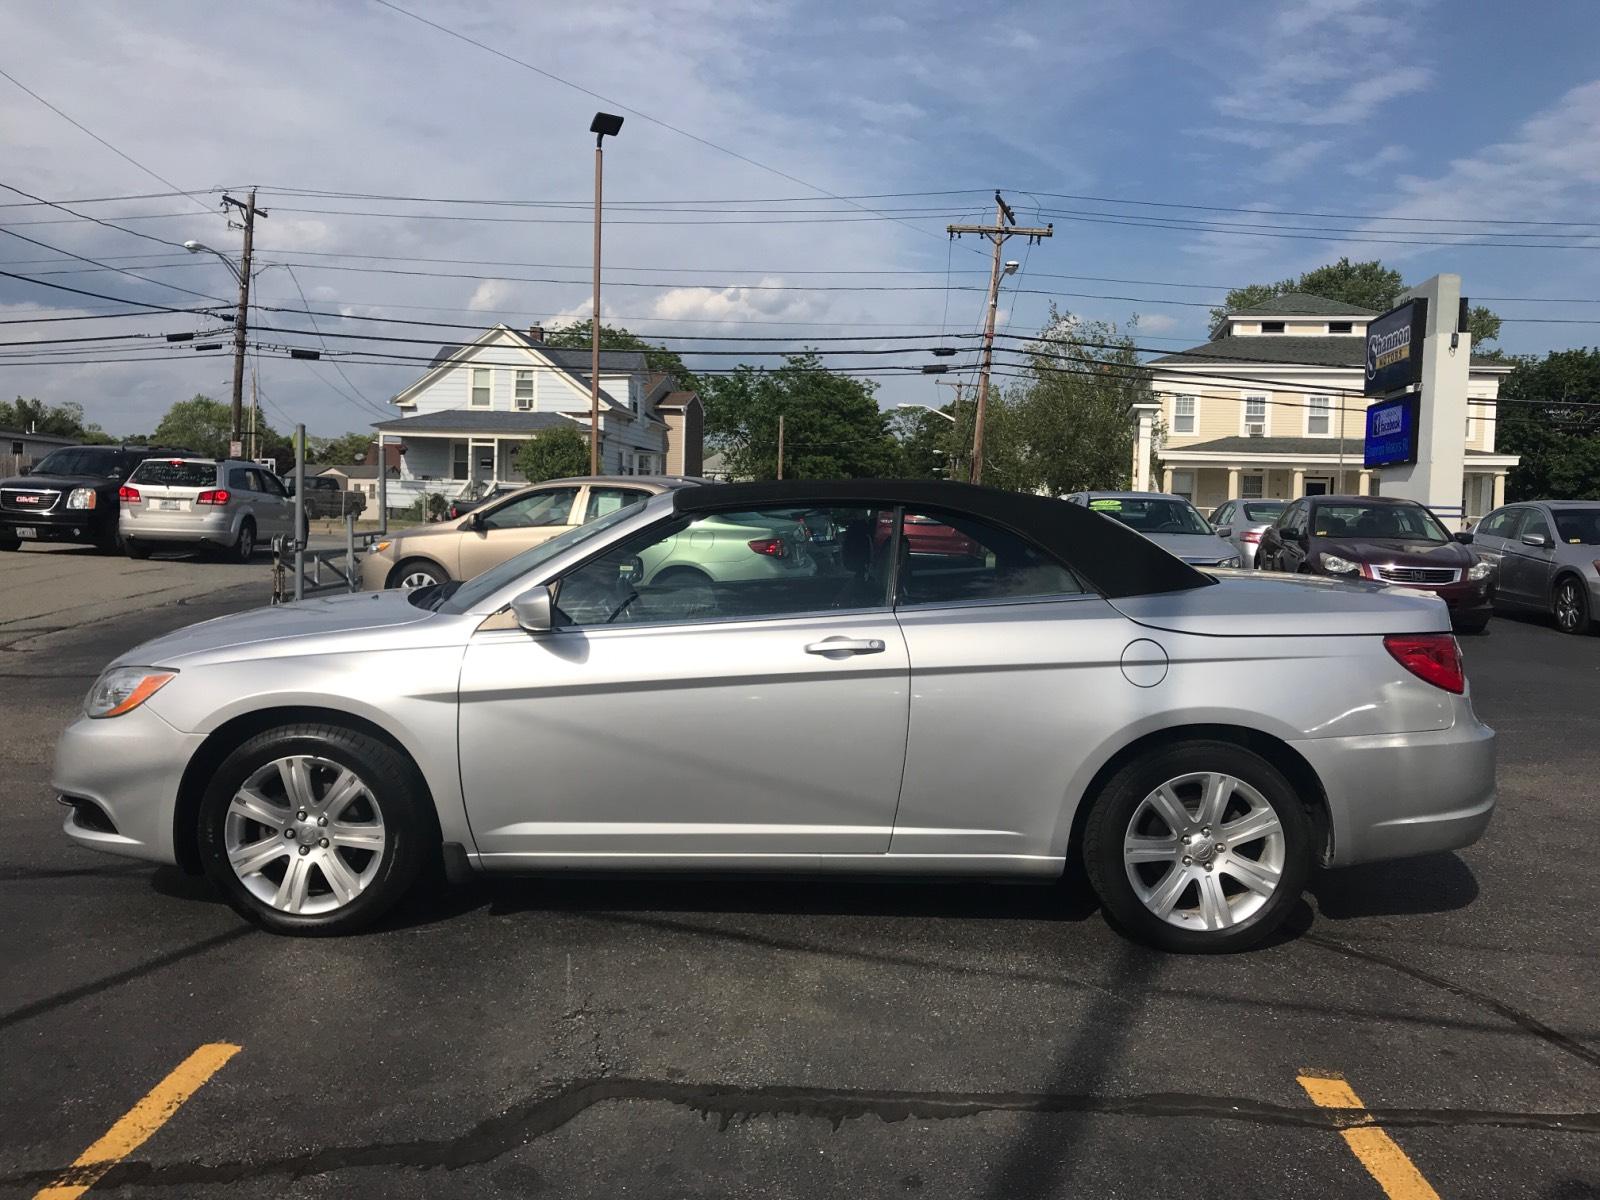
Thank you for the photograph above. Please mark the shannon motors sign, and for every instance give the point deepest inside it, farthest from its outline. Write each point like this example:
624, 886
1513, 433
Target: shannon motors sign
1394, 348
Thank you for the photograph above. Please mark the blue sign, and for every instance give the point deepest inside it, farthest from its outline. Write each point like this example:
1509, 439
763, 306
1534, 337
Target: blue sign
1394, 348
1392, 432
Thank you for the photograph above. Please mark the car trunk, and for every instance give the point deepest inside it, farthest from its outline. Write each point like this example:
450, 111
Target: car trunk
1257, 605
171, 487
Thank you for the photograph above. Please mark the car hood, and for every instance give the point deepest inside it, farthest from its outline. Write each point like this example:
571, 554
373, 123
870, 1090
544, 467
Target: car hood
365, 620
1254, 604
1398, 551
1206, 547
433, 529
55, 481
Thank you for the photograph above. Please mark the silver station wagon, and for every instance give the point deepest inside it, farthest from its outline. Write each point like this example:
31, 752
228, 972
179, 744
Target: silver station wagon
1063, 691
221, 506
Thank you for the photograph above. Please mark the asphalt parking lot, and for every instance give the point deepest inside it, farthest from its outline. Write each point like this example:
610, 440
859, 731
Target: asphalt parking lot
1425, 1028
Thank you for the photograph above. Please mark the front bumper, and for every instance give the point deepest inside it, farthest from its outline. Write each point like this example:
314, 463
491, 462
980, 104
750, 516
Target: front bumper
375, 568
130, 768
60, 525
1401, 795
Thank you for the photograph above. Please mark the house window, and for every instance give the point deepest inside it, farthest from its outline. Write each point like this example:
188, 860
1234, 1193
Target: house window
1183, 485
1317, 418
525, 390
1272, 327
459, 457
1255, 416
1252, 487
1183, 414
480, 388
1339, 327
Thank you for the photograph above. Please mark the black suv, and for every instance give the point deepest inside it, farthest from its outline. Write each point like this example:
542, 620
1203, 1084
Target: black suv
72, 495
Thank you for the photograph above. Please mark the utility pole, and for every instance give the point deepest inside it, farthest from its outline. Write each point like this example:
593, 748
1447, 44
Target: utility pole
780, 445
255, 402
241, 321
1005, 227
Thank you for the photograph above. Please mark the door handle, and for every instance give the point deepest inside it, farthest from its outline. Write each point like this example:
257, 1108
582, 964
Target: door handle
842, 645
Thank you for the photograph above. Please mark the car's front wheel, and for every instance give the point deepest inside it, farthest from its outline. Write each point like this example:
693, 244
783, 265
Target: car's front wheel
135, 549
314, 829
1201, 847
416, 573
1570, 606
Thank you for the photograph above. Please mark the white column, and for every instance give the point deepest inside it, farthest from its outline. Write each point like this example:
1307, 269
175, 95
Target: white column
1298, 487
1233, 483
1144, 413
1166, 479
1499, 488
1364, 484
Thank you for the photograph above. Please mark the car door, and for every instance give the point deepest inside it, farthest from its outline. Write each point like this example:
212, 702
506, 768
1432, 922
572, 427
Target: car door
1490, 539
494, 533
1221, 519
245, 501
1286, 539
1525, 568
748, 715
275, 509
1014, 664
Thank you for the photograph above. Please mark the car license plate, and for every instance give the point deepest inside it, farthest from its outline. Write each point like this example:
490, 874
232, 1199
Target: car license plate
172, 505
27, 531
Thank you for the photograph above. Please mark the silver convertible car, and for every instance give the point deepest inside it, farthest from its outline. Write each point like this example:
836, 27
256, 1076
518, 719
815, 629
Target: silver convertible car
1067, 692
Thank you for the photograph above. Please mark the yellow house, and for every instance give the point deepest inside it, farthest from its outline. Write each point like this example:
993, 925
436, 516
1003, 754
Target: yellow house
1272, 407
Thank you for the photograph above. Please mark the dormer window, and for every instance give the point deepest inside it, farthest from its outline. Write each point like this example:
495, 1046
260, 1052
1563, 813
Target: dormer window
1272, 327
1340, 327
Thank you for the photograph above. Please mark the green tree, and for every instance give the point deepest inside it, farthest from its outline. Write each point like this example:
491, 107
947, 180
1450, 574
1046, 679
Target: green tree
927, 443
343, 450
577, 336
1363, 284
555, 454
55, 420
1545, 421
833, 428
200, 424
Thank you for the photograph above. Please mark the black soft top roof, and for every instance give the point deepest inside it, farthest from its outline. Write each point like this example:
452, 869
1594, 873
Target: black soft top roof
1114, 559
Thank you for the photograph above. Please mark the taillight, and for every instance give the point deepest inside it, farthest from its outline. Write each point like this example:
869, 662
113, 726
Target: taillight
213, 496
128, 495
1250, 535
1432, 657
771, 547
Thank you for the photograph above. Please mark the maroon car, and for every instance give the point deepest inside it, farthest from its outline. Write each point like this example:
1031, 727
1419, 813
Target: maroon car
1388, 540
926, 535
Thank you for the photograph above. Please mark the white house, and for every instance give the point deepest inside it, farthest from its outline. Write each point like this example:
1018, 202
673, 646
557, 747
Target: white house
464, 420
1272, 407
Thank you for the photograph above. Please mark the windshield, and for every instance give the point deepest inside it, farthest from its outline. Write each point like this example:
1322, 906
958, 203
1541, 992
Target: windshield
1578, 526
480, 586
1392, 522
79, 460
1154, 514
1265, 511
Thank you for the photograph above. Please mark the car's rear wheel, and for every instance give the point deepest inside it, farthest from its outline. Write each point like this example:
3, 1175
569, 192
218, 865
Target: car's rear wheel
314, 829
416, 573
135, 549
1202, 847
244, 547
1570, 606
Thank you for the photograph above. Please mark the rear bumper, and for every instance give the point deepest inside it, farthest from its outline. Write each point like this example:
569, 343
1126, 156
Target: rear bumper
216, 527
1401, 795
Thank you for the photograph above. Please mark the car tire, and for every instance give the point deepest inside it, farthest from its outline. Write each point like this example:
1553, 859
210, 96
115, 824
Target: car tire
389, 833
111, 544
10, 543
1193, 895
1569, 605
244, 546
135, 549
417, 573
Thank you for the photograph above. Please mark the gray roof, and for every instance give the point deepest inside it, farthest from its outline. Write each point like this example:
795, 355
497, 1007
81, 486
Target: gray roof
1282, 445
573, 362
354, 471
467, 420
1302, 304
1329, 350
18, 434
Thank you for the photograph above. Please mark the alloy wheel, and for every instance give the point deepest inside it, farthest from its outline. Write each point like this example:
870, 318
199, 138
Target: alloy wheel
418, 578
1204, 851
1568, 611
304, 835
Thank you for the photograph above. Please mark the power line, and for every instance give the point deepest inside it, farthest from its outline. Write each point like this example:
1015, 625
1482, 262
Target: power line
104, 266
145, 304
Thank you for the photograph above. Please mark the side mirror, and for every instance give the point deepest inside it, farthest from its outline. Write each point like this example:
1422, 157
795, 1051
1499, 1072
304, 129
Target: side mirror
1225, 532
1464, 537
1535, 539
475, 521
534, 610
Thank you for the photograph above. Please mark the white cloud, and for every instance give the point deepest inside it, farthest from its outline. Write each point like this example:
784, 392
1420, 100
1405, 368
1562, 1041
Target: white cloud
1157, 323
1371, 164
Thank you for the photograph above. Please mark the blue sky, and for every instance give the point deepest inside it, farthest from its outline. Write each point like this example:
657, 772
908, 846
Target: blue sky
1397, 109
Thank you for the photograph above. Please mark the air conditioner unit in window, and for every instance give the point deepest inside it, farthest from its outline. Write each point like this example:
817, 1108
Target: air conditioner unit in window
1255, 429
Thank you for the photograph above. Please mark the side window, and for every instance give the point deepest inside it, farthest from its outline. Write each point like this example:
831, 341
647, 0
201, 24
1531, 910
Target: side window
1223, 515
1499, 524
239, 480
269, 483
1293, 521
551, 507
772, 562
1534, 522
955, 560
603, 500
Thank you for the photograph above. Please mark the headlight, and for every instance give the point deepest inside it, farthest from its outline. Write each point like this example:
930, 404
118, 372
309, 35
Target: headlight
81, 498
380, 547
1338, 566
1480, 570
1230, 562
122, 689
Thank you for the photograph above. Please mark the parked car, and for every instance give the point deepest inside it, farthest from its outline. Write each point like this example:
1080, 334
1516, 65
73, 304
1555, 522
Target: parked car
1171, 522
461, 548
1077, 695
327, 497
927, 535
71, 496
1546, 555
1241, 522
465, 503
1385, 539
202, 503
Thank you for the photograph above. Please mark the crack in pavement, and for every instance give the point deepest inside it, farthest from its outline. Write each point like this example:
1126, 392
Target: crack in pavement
547, 1113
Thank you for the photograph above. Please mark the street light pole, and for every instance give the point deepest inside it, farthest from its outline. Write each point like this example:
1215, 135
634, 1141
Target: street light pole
603, 124
241, 320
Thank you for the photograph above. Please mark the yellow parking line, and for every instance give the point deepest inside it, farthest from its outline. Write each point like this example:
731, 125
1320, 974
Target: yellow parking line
1396, 1174
140, 1121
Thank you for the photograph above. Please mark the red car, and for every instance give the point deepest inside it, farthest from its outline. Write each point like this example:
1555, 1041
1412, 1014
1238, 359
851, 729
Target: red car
926, 535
